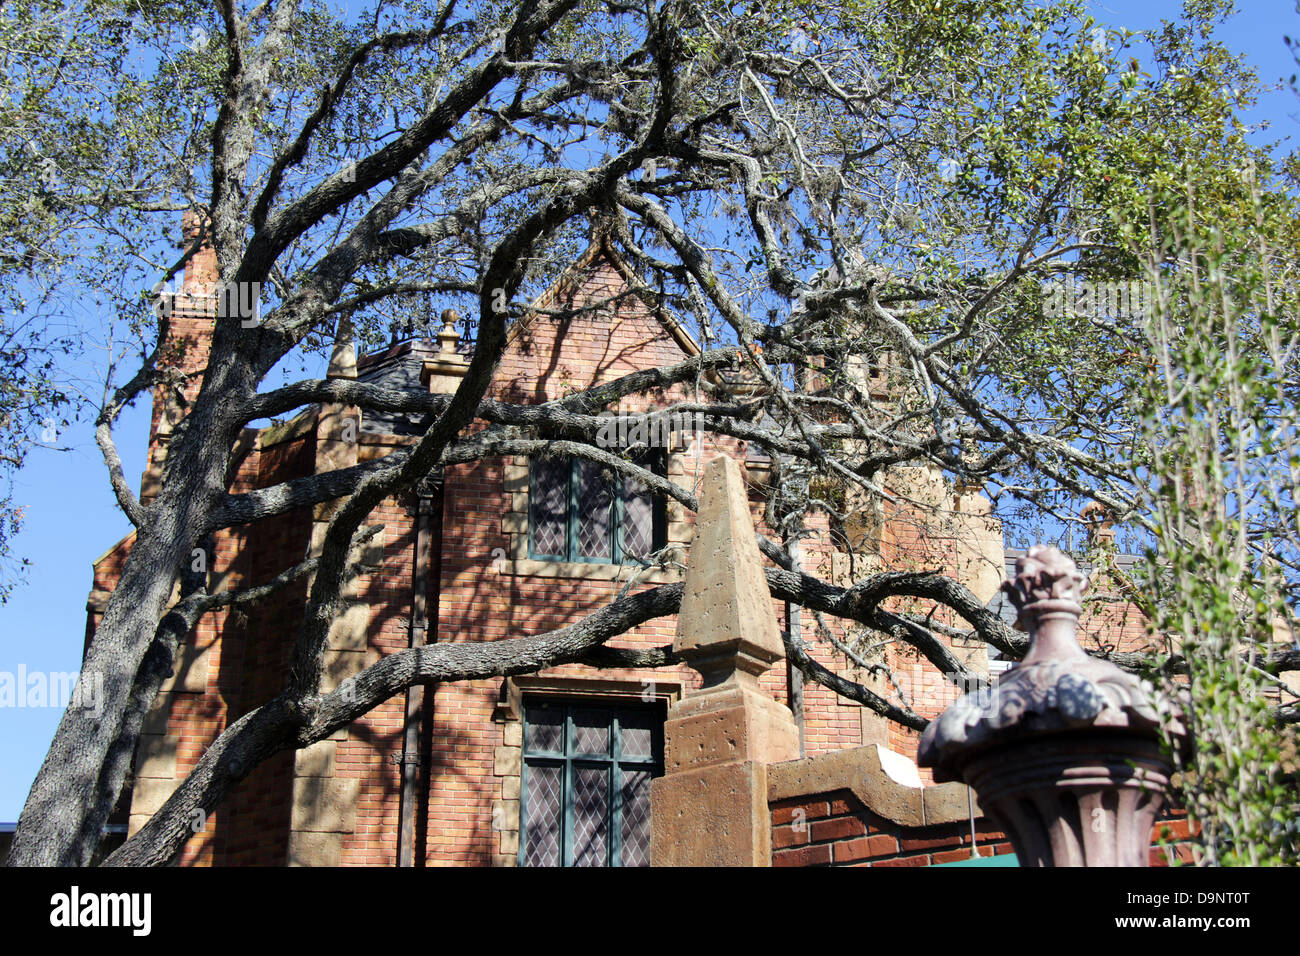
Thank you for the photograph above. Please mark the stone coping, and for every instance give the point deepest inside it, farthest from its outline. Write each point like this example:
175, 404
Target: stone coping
879, 778
295, 427
527, 567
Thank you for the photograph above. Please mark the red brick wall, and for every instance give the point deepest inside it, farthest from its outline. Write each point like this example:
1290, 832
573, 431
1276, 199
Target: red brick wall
252, 827
377, 737
247, 650
835, 829
469, 601
476, 603
479, 604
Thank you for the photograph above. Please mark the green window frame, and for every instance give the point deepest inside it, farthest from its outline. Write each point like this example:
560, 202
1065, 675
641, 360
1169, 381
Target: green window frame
584, 789
566, 511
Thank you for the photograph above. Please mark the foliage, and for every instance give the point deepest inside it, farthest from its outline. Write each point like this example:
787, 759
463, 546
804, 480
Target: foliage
88, 156
1221, 429
30, 400
830, 192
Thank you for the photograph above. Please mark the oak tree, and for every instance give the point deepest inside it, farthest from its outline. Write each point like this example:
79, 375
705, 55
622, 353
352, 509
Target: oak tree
814, 189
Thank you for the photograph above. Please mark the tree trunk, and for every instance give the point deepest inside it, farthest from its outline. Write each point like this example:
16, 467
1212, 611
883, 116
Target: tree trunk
78, 784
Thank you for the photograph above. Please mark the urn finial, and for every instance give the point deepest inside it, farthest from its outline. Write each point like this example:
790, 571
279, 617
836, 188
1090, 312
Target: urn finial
1047, 582
1061, 738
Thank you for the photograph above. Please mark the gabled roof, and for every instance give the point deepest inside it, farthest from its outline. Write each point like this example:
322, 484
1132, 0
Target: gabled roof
571, 277
398, 366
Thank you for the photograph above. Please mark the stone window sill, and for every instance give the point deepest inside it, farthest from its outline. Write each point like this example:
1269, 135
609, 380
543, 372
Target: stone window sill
528, 567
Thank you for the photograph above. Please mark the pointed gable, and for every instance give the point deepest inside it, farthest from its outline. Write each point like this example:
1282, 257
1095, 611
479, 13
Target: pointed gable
613, 329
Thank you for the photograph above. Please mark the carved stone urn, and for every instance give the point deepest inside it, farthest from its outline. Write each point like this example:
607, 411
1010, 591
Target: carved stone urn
1063, 751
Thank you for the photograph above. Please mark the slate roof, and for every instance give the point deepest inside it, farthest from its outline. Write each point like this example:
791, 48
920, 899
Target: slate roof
398, 366
1001, 604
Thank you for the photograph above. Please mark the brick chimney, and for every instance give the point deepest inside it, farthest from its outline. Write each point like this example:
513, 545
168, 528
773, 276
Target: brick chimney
192, 310
1101, 526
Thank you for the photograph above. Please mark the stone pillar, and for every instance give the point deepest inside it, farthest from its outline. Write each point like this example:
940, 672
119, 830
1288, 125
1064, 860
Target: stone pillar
443, 372
710, 807
324, 805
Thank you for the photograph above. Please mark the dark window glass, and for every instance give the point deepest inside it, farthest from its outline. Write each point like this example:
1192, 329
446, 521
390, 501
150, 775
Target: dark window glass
549, 496
586, 783
580, 513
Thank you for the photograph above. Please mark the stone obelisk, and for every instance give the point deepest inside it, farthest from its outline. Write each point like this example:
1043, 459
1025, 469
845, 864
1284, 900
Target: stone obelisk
710, 807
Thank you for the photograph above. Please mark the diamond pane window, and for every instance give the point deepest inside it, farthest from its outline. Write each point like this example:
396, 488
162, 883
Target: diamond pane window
582, 513
636, 818
638, 519
595, 498
549, 496
546, 731
590, 816
590, 731
638, 729
542, 835
586, 797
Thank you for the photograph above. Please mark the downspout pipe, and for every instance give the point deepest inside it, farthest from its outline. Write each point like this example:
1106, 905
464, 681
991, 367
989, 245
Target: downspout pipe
425, 504
794, 676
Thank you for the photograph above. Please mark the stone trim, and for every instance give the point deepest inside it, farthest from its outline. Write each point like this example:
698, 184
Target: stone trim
602, 689
129, 536
507, 764
301, 424
155, 766
189, 667
508, 755
371, 446
872, 775
323, 804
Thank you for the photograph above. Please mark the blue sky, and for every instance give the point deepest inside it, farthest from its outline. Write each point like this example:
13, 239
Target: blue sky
72, 517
